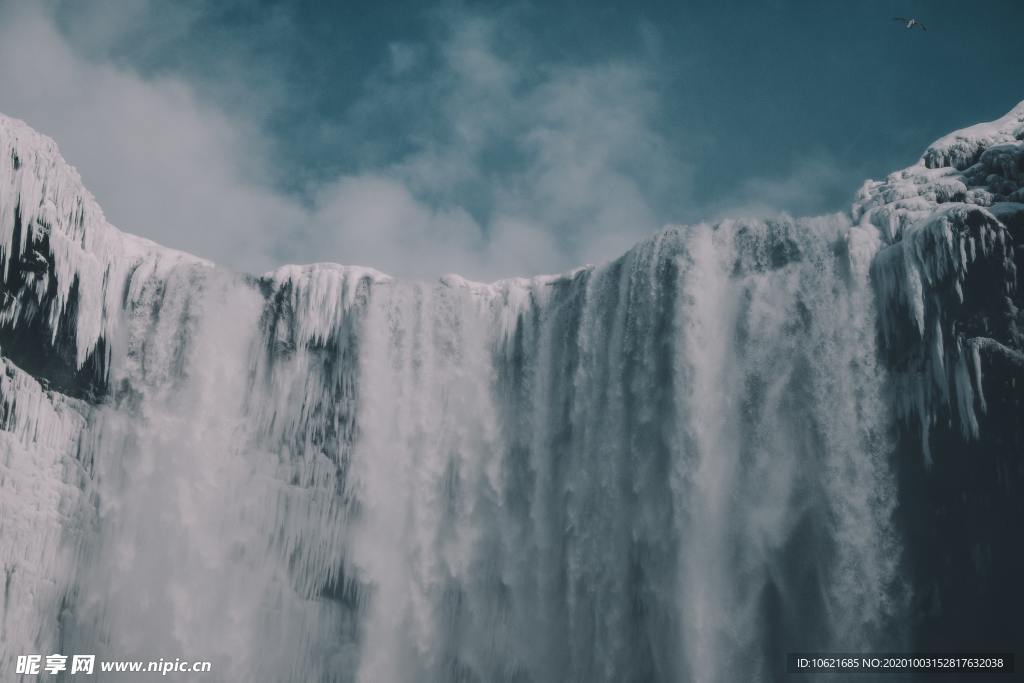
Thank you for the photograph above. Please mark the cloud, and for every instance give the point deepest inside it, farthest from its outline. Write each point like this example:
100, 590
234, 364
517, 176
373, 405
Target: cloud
570, 153
809, 186
162, 163
505, 166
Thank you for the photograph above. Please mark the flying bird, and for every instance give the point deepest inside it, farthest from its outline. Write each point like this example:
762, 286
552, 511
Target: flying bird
911, 23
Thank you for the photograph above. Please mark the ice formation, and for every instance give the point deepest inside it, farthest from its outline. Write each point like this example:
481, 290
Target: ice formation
948, 219
673, 466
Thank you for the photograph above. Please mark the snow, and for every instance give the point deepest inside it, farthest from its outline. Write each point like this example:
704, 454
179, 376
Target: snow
978, 165
325, 473
38, 184
44, 494
941, 216
962, 148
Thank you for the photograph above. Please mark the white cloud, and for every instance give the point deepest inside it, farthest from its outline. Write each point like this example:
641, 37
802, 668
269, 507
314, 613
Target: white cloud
375, 220
567, 153
162, 163
515, 168
404, 56
802, 189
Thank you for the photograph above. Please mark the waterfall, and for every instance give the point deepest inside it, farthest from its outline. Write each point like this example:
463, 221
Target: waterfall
658, 470
676, 466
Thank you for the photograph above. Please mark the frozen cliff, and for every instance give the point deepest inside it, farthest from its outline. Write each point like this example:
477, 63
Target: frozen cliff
735, 441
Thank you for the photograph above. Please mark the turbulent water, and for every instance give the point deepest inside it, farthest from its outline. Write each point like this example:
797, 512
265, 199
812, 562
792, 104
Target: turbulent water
678, 466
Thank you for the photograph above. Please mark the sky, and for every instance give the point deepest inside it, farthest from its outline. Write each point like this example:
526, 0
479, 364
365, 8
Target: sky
492, 139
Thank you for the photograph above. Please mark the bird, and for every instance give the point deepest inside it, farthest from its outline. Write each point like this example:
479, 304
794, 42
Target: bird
911, 23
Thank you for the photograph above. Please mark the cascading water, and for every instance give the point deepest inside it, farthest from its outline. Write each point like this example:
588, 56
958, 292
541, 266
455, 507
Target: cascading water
678, 466
632, 473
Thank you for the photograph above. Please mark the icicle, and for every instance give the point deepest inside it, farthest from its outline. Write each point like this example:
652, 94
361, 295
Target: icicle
328, 474
40, 193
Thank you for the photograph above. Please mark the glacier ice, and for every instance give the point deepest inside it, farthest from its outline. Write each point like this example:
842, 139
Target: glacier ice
673, 466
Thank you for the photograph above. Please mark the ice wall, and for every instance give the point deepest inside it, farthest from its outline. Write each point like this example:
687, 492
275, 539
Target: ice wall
947, 283
674, 466
45, 523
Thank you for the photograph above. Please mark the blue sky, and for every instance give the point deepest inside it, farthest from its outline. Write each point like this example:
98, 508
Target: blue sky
490, 139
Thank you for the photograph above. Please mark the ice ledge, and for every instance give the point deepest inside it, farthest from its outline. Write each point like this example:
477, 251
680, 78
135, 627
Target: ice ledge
947, 289
963, 148
981, 165
65, 271
63, 264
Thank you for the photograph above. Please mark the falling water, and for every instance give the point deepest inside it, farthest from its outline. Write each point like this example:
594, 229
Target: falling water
677, 466
669, 468
672, 467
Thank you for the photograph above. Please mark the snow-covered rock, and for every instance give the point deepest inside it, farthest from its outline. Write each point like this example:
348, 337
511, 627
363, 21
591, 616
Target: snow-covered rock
950, 273
66, 271
649, 469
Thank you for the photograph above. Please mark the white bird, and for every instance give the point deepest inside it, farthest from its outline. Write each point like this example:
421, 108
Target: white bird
911, 23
